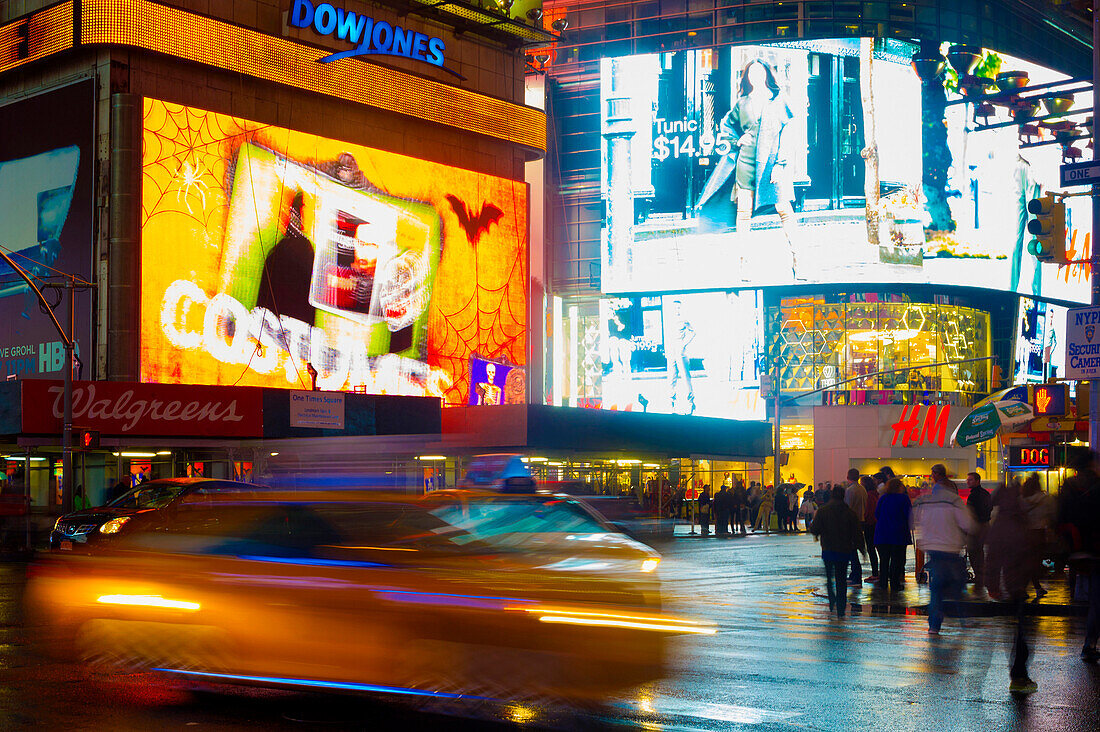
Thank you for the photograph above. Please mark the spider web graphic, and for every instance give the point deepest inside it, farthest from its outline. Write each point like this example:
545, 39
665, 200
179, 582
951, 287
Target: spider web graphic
185, 165
477, 302
489, 320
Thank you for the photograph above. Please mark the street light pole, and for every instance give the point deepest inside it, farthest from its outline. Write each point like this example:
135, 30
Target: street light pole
67, 419
777, 469
1094, 254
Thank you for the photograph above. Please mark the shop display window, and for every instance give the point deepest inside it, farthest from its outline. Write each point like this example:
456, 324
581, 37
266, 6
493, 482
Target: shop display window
858, 347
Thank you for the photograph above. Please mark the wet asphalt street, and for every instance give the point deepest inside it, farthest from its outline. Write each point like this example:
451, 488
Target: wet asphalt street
778, 662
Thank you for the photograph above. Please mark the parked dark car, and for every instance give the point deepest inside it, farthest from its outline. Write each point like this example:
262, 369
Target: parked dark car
83, 530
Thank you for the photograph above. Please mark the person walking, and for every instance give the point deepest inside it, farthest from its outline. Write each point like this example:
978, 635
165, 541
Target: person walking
764, 512
704, 510
1040, 525
1010, 567
1079, 511
840, 532
738, 506
980, 504
869, 525
822, 495
941, 523
722, 512
887, 473
782, 507
754, 503
892, 534
808, 509
855, 495
792, 515
119, 489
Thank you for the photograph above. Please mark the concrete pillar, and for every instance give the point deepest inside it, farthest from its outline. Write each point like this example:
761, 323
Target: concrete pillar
618, 131
124, 243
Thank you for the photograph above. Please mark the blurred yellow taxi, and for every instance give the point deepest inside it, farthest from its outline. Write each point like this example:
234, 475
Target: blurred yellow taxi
456, 595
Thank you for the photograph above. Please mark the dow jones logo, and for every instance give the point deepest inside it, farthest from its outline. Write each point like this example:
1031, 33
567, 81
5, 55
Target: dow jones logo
369, 36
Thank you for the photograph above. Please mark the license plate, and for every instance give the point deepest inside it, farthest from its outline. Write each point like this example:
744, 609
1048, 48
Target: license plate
66, 545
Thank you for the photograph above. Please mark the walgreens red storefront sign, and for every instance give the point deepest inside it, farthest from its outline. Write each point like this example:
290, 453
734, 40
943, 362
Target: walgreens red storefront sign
128, 408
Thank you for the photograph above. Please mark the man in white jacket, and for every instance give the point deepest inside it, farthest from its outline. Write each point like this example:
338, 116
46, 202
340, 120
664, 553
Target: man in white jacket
941, 523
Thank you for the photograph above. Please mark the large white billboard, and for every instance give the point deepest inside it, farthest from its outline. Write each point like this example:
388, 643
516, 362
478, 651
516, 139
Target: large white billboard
752, 166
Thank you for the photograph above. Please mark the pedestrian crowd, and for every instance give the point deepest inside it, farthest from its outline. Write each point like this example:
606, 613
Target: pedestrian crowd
737, 510
1003, 535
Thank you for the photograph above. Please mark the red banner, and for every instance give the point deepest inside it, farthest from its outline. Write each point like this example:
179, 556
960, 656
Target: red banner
136, 409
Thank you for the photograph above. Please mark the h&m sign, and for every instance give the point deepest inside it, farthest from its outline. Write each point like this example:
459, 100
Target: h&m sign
922, 426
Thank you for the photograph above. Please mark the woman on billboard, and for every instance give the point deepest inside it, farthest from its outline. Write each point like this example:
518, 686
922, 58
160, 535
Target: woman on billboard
753, 131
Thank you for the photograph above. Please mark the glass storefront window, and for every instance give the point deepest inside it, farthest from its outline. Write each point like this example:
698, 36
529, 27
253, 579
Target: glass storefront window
690, 353
817, 345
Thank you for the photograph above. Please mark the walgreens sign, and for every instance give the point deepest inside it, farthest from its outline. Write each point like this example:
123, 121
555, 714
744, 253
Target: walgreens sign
160, 410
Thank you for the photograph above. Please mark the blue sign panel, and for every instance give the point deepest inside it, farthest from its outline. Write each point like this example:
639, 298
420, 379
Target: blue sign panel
369, 36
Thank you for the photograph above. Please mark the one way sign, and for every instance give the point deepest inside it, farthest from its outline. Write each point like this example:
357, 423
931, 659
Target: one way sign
1080, 174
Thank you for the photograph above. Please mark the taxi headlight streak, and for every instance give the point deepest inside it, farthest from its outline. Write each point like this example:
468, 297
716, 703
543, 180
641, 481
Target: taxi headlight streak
147, 601
568, 616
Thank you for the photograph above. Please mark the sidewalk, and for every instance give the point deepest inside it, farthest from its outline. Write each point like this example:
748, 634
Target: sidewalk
913, 598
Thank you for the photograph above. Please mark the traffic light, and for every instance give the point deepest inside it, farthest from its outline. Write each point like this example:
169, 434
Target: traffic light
87, 439
1049, 229
1050, 400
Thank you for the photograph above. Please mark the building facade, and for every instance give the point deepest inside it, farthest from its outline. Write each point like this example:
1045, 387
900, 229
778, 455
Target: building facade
847, 245
284, 194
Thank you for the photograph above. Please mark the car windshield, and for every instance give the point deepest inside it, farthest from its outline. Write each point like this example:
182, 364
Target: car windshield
231, 525
500, 520
148, 495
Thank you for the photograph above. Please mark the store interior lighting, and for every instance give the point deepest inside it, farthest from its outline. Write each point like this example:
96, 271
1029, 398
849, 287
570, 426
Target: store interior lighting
20, 458
134, 454
886, 336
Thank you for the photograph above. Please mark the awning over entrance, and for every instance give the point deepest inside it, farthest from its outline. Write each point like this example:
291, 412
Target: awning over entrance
127, 411
535, 427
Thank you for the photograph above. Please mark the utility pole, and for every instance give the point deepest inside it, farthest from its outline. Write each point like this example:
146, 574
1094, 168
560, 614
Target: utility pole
1094, 254
67, 418
777, 468
67, 339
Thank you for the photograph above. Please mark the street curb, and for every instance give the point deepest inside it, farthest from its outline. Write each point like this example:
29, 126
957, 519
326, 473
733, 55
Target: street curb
737, 536
974, 609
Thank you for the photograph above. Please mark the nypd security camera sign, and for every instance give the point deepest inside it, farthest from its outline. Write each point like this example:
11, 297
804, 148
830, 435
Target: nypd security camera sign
1083, 343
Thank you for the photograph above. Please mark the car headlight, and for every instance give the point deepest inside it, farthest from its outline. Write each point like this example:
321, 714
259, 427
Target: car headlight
649, 565
57, 524
114, 525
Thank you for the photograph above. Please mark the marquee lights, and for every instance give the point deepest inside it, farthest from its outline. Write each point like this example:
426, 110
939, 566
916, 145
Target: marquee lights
47, 32
202, 40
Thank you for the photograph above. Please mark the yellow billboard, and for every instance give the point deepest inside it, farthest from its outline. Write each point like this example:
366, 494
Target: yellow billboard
272, 257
